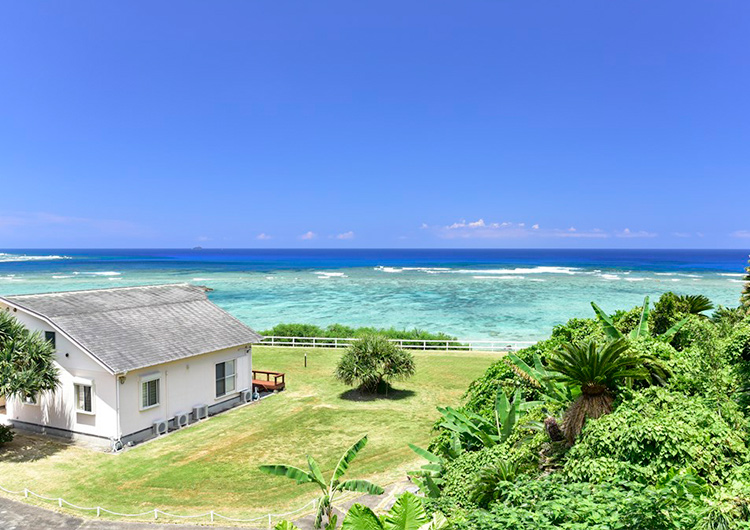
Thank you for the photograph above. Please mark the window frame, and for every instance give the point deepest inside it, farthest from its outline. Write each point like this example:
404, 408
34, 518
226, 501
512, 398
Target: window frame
233, 377
53, 340
79, 385
145, 380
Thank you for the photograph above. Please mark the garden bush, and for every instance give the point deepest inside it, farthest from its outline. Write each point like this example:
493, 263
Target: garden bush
656, 431
6, 434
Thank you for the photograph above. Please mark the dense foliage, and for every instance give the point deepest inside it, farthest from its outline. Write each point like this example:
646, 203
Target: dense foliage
372, 363
345, 332
6, 434
663, 444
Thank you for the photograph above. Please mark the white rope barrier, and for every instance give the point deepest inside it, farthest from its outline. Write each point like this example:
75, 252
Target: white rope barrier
211, 515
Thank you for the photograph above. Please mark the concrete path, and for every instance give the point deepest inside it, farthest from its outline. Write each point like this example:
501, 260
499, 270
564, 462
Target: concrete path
16, 515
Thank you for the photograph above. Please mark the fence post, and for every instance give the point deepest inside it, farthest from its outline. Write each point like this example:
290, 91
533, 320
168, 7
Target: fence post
59, 502
212, 516
156, 513
269, 520
26, 493
293, 339
98, 511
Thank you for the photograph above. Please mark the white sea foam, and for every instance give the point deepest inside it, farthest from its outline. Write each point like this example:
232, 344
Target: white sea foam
428, 270
326, 275
737, 281
634, 279
98, 273
4, 257
733, 274
10, 278
60, 277
610, 277
517, 270
201, 280
499, 277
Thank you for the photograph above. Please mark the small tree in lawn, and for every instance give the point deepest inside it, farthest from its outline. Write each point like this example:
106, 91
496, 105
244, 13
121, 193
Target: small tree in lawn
745, 297
373, 362
328, 489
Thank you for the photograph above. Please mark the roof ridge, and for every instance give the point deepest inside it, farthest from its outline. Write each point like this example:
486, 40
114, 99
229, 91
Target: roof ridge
76, 291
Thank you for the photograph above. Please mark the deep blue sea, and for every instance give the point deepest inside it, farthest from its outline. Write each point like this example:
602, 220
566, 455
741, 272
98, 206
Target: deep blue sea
474, 294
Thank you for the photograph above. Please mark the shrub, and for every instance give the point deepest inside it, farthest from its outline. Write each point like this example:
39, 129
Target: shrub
373, 362
656, 431
6, 434
550, 503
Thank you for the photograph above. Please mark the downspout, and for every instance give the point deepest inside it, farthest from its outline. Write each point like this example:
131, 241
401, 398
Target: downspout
118, 440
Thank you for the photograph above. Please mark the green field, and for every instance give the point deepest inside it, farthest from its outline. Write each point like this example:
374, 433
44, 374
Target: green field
213, 465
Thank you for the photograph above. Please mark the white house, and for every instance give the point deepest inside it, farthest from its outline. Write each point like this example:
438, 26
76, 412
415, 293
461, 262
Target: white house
134, 362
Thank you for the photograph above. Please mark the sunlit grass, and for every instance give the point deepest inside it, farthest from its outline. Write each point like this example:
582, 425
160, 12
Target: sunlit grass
213, 465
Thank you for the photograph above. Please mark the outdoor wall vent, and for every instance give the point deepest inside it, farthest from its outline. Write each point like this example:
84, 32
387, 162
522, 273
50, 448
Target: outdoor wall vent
200, 412
160, 427
181, 420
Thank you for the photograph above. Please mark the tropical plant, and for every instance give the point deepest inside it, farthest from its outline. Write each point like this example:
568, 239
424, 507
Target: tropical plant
597, 370
408, 513
26, 361
331, 488
429, 478
696, 304
642, 329
373, 362
6, 434
476, 431
745, 297
552, 391
493, 481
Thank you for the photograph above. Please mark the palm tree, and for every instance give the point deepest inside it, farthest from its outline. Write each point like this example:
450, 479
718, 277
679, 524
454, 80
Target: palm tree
373, 362
331, 488
598, 370
696, 304
26, 361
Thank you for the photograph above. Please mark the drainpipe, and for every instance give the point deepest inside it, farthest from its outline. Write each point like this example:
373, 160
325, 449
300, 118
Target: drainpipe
117, 407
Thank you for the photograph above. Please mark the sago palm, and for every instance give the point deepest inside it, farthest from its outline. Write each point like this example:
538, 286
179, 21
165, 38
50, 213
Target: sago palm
598, 370
331, 488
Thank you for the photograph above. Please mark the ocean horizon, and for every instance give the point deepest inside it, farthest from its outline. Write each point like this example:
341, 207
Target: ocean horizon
508, 294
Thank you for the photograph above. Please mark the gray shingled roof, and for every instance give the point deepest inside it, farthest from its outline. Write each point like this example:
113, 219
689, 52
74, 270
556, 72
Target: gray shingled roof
135, 327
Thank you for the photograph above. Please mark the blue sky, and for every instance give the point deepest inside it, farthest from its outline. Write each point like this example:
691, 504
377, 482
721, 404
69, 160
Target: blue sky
375, 124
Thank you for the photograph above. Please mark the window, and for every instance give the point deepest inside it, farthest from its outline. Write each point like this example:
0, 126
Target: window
49, 336
84, 398
225, 377
150, 392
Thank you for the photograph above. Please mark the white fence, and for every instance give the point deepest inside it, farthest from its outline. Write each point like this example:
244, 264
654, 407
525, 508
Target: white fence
408, 344
209, 516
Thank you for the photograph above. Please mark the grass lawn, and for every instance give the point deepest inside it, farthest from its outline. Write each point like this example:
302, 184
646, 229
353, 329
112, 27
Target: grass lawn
214, 465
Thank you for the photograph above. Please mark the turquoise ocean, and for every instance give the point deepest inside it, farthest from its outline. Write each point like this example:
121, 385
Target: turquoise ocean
473, 294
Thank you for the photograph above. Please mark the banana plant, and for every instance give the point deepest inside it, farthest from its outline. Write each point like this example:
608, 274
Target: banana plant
476, 430
331, 488
429, 477
640, 331
408, 513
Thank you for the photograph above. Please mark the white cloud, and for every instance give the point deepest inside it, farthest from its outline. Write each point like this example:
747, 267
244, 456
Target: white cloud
203, 239
263, 236
631, 234
535, 227
308, 235
481, 229
346, 235
741, 233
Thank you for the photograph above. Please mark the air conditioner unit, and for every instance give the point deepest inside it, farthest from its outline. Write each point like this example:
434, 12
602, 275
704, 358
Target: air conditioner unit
200, 412
182, 420
246, 396
161, 427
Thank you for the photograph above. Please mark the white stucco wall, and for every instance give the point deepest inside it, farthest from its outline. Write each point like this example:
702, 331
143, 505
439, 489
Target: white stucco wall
184, 384
57, 409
